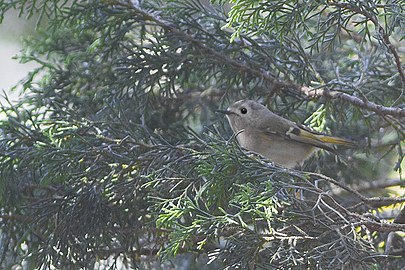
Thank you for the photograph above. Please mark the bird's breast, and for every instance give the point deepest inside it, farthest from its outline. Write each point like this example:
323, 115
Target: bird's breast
278, 149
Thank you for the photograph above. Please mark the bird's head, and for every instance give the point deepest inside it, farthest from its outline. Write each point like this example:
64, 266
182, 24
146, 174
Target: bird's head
244, 114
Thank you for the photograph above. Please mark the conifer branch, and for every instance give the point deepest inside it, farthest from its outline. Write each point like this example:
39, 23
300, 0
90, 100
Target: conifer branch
274, 84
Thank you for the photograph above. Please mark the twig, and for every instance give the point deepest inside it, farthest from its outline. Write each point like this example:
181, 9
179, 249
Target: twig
105, 253
375, 185
365, 104
379, 227
375, 202
394, 245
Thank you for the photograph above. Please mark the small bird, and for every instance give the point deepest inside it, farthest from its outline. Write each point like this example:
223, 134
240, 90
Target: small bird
282, 141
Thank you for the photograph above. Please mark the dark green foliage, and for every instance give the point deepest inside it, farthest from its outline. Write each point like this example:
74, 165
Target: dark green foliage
115, 156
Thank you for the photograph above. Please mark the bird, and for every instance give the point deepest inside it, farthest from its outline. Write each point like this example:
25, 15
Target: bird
276, 138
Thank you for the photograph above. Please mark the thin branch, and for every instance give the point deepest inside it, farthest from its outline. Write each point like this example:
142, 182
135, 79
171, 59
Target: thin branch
376, 185
392, 243
365, 104
374, 202
106, 253
379, 227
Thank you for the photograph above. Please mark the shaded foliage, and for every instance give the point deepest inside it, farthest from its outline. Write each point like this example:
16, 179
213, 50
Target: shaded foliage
115, 155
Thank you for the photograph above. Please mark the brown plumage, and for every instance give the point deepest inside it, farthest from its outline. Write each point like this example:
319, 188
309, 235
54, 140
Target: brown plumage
276, 138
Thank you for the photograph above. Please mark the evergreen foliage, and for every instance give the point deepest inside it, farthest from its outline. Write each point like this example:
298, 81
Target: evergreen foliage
115, 156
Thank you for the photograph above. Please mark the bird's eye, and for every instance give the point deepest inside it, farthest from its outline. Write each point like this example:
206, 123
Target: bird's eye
243, 110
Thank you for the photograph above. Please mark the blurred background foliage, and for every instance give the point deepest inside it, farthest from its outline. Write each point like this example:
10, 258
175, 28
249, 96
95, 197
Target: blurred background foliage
114, 157
12, 31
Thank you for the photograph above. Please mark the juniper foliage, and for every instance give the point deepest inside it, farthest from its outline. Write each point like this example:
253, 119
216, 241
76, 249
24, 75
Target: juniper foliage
115, 158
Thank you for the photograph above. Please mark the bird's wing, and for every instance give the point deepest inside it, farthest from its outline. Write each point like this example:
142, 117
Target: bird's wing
302, 134
326, 138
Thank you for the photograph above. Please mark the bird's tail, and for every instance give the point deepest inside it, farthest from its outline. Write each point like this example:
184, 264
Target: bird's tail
336, 140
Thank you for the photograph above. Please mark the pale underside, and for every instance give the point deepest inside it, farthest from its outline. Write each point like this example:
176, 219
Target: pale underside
280, 150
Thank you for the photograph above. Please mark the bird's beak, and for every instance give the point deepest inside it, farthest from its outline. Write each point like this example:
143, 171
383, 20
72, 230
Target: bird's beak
225, 112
